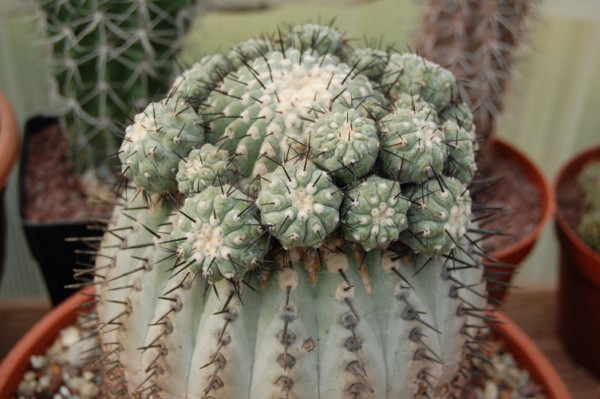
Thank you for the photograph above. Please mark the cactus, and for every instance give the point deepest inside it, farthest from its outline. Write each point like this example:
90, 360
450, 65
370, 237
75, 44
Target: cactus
478, 41
110, 57
589, 225
297, 226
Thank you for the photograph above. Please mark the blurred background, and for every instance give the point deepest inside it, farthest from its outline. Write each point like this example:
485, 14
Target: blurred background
552, 110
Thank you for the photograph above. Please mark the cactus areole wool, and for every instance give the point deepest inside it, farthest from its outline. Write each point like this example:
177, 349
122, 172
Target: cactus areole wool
295, 222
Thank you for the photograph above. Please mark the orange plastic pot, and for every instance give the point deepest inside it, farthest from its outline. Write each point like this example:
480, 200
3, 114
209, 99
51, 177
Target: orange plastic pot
529, 356
43, 334
9, 139
579, 283
9, 151
37, 341
503, 262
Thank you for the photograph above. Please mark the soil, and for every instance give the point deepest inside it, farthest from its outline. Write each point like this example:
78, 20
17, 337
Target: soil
53, 189
571, 204
513, 200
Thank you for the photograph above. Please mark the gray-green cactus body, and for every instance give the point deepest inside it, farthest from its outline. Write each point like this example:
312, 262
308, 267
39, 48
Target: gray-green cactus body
270, 244
359, 326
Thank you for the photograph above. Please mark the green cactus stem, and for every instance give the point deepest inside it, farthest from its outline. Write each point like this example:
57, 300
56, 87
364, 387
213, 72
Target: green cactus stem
290, 227
110, 58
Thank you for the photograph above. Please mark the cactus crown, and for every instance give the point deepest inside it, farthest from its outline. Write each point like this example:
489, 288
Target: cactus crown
337, 181
303, 143
110, 57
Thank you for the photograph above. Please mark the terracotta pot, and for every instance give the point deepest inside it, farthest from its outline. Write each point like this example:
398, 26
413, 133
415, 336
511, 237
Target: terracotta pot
503, 263
43, 334
9, 151
9, 139
579, 283
37, 340
529, 356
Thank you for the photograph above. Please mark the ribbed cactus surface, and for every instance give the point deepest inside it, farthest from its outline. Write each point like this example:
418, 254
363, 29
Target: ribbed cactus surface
109, 58
478, 40
295, 222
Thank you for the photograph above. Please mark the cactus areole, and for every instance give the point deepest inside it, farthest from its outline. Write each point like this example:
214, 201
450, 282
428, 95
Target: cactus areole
295, 222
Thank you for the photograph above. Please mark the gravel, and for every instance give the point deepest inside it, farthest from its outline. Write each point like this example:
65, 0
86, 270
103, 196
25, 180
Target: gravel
63, 372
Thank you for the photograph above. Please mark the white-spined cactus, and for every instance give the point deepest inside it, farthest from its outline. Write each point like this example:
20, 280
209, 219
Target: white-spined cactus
295, 223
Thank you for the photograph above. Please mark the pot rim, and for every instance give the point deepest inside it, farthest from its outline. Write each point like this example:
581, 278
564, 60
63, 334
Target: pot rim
548, 201
41, 336
9, 138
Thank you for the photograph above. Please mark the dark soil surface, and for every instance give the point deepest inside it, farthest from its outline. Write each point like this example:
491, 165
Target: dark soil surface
571, 203
53, 190
514, 199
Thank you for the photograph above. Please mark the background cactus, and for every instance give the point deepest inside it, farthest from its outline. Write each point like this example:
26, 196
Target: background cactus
287, 275
478, 41
589, 225
110, 58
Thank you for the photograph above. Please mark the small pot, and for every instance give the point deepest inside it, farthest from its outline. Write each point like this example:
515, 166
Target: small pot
52, 244
502, 263
9, 151
579, 283
43, 334
530, 357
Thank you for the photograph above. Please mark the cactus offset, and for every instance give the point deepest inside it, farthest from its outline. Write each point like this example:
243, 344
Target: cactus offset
110, 57
478, 42
589, 225
305, 234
